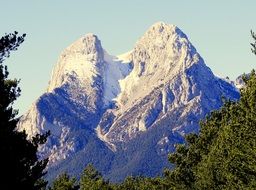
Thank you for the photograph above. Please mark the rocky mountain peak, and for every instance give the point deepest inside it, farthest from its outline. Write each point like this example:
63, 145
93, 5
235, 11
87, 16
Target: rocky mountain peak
164, 46
161, 54
161, 28
90, 44
81, 60
160, 34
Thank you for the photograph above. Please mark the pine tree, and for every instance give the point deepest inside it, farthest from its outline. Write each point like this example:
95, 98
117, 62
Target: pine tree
92, 179
64, 182
254, 43
142, 183
20, 167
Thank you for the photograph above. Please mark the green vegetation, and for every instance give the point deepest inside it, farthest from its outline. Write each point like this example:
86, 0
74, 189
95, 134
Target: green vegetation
20, 167
92, 179
64, 182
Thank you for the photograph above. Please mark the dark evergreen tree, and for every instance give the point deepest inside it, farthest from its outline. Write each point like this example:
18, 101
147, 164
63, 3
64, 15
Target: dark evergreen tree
254, 43
64, 182
92, 179
142, 183
20, 167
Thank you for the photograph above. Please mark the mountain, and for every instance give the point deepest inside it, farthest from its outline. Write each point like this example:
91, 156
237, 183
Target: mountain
124, 113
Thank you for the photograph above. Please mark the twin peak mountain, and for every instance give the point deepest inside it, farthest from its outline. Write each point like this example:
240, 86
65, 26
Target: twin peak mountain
124, 113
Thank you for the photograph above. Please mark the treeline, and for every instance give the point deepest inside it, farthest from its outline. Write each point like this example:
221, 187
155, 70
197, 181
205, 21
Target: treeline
92, 179
221, 156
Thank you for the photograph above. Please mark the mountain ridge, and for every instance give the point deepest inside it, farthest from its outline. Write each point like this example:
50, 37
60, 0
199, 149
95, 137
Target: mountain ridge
131, 109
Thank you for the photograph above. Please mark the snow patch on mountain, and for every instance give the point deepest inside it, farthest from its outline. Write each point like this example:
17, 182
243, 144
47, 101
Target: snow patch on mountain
115, 69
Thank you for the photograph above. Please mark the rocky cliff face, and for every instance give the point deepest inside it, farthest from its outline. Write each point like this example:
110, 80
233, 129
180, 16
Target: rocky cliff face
124, 113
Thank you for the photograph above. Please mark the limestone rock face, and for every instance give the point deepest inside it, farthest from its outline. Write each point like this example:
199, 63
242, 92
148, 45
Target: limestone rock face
124, 113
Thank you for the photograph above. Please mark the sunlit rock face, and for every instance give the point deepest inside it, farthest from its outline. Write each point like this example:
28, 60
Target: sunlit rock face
124, 113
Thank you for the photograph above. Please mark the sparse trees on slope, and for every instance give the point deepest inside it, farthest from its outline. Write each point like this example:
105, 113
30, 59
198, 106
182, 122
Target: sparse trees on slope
20, 167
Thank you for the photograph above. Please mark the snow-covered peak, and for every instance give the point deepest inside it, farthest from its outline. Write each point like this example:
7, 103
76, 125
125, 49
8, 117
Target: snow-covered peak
165, 44
161, 27
160, 33
162, 53
89, 45
82, 60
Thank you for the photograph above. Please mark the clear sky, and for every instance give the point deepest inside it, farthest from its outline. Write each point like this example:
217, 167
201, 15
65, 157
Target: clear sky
220, 31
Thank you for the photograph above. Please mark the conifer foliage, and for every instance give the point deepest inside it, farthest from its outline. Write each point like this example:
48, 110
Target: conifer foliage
92, 179
64, 182
20, 167
254, 43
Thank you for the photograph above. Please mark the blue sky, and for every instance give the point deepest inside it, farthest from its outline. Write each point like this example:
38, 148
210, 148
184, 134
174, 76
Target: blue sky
220, 31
